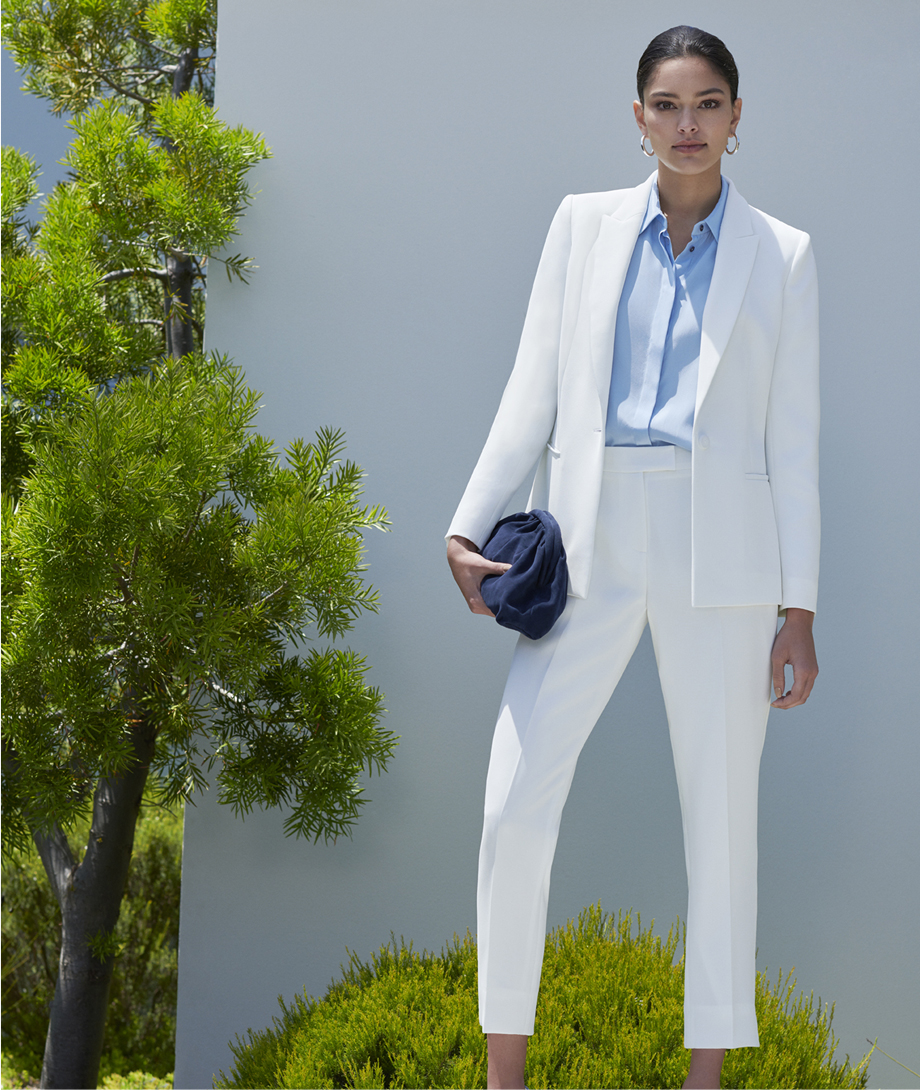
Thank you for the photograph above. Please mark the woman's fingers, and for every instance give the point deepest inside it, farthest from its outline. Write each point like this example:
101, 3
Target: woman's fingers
471, 583
795, 646
802, 683
475, 600
779, 677
469, 568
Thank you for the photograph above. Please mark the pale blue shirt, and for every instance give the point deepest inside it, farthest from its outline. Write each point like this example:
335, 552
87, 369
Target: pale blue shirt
656, 349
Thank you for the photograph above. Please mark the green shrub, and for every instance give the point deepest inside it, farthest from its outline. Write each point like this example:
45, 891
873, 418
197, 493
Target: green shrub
13, 1079
610, 1015
137, 1080
141, 1027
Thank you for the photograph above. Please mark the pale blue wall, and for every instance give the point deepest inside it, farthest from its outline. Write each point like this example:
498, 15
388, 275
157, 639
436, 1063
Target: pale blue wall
29, 125
421, 148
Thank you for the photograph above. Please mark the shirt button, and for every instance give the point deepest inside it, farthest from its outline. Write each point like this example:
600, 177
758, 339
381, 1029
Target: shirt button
692, 248
703, 442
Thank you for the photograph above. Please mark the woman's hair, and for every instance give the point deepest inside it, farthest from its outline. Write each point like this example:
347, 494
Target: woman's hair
687, 41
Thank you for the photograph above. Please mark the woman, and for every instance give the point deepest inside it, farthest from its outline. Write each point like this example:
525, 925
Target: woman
667, 383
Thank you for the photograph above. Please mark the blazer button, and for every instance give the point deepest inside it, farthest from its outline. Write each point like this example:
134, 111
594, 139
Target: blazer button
703, 441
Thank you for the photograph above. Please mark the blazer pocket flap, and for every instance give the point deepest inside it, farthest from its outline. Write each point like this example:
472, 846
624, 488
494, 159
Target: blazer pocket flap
757, 476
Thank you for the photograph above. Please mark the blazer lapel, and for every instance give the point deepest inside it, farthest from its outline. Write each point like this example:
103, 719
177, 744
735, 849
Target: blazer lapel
734, 261
609, 262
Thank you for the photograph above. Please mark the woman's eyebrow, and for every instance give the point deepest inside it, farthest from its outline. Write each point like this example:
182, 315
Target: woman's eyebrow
699, 94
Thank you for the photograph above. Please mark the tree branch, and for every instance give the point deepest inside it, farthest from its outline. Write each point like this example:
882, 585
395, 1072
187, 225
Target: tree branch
202, 500
147, 44
129, 68
113, 651
124, 90
268, 597
124, 274
124, 585
57, 858
101, 74
208, 683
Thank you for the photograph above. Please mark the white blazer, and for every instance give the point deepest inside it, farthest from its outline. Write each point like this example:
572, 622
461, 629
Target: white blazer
755, 518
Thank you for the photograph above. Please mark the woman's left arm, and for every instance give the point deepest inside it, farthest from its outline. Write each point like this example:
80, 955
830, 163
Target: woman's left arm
792, 433
792, 463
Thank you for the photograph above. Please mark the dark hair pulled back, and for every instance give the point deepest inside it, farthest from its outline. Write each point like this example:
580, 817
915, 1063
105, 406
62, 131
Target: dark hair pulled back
687, 41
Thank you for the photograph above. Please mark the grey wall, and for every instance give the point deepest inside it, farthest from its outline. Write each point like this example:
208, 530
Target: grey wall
420, 149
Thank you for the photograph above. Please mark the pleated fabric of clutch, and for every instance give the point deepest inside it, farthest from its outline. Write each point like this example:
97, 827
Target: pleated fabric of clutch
531, 595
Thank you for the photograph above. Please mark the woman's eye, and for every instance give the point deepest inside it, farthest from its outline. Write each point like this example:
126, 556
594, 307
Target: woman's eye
710, 103
664, 105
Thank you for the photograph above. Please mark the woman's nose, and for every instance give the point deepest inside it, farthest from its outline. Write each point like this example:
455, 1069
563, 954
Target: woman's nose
687, 122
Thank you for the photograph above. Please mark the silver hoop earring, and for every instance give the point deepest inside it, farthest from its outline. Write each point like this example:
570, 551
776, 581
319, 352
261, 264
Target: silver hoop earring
735, 148
642, 145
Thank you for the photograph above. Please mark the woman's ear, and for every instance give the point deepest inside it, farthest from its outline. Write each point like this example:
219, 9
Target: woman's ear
736, 113
639, 111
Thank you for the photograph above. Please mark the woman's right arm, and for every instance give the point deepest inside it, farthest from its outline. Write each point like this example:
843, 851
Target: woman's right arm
522, 424
527, 412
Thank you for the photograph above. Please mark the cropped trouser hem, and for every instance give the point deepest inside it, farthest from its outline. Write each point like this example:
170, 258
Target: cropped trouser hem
507, 1012
720, 1027
714, 667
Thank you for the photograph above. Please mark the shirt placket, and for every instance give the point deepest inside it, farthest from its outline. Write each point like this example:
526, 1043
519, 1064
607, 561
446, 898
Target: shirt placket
658, 333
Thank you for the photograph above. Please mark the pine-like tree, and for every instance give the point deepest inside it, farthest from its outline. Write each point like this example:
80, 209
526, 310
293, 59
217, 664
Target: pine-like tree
160, 558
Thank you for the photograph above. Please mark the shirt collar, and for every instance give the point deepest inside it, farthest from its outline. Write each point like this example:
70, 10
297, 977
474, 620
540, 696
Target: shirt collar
713, 221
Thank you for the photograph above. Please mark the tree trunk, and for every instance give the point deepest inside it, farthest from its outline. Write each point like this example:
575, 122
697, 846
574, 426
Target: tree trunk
180, 334
185, 71
90, 897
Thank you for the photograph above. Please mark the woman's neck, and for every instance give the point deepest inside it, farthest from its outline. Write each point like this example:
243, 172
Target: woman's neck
688, 197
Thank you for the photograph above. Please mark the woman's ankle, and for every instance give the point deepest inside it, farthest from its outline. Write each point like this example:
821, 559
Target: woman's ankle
705, 1069
507, 1056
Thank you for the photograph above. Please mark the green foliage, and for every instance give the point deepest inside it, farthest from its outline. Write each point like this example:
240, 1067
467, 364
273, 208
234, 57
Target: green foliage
19, 178
76, 52
177, 182
159, 562
105, 945
83, 300
610, 1014
18, 181
137, 1080
188, 24
12, 1077
142, 1022
159, 556
118, 266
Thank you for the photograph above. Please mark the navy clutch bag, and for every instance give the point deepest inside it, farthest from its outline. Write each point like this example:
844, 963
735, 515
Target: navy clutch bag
531, 595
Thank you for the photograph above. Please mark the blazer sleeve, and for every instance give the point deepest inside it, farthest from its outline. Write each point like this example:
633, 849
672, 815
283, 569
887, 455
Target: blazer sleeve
527, 411
792, 433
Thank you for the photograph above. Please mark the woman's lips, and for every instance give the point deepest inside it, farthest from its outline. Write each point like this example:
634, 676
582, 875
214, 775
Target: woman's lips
687, 148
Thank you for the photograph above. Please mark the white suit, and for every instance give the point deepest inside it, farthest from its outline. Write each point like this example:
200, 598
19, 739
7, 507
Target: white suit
703, 546
755, 534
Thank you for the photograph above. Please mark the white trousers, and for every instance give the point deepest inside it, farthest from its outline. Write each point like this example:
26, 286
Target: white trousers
714, 666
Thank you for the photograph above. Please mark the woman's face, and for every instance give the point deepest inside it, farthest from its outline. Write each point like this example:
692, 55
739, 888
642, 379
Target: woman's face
687, 114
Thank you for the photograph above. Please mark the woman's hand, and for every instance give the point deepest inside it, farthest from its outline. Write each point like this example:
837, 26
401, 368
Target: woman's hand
468, 567
795, 645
